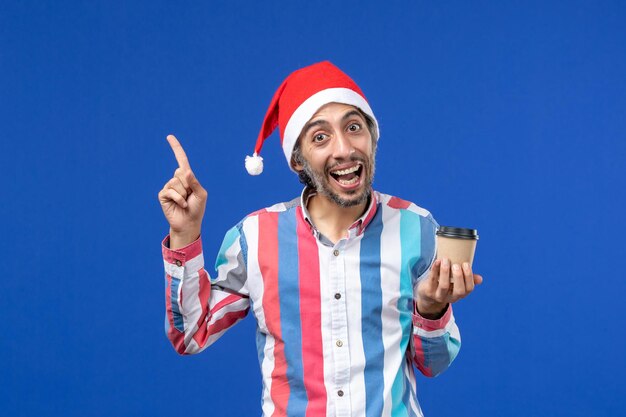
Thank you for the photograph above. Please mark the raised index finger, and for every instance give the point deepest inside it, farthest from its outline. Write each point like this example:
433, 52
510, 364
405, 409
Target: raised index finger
179, 152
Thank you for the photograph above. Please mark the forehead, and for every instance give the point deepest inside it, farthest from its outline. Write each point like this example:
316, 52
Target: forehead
331, 110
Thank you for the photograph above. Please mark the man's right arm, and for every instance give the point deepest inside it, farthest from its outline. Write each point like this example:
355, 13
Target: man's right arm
198, 309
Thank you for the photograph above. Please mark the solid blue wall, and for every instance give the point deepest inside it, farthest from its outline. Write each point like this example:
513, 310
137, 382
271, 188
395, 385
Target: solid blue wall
509, 118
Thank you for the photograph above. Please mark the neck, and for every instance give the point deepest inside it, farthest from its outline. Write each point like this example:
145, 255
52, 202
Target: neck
331, 219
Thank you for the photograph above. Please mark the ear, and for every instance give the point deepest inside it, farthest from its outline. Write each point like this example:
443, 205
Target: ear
298, 167
294, 164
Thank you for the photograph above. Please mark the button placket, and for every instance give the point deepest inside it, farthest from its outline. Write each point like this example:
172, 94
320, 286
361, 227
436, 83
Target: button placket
339, 330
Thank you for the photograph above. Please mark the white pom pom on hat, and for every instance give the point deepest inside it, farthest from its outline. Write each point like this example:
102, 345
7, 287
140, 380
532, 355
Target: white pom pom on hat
254, 164
297, 99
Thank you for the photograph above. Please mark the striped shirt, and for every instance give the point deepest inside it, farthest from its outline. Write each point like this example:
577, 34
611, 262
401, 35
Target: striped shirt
337, 329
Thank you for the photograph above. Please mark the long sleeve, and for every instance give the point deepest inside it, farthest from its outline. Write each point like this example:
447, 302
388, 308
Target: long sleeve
198, 308
435, 343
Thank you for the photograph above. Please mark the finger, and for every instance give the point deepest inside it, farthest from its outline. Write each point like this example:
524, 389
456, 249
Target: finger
432, 278
190, 182
183, 177
443, 287
478, 279
179, 152
196, 187
458, 291
469, 277
170, 194
178, 186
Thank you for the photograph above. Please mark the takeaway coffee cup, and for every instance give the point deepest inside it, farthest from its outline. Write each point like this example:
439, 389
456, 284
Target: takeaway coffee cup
457, 244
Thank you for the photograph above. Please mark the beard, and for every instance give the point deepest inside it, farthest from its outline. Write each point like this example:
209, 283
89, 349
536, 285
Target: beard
320, 181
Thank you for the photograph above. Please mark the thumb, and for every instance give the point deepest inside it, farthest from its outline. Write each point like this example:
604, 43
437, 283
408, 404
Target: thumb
195, 185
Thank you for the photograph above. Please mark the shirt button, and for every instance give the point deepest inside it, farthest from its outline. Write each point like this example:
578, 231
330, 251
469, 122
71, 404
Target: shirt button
337, 296
339, 343
336, 252
178, 263
340, 393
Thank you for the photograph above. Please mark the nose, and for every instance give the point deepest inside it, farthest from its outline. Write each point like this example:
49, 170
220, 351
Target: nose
343, 147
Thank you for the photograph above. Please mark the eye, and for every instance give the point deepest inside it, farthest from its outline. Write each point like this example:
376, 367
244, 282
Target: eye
319, 137
354, 127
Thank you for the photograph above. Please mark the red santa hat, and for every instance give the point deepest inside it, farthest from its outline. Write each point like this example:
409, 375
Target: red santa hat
297, 99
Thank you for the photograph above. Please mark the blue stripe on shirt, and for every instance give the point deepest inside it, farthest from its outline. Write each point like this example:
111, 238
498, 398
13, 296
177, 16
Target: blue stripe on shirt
289, 299
261, 339
179, 323
410, 229
228, 241
371, 317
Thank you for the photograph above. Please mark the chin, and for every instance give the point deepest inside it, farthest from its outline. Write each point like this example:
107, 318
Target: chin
347, 199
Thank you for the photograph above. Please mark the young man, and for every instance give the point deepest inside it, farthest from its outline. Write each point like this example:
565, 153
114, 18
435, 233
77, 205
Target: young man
342, 281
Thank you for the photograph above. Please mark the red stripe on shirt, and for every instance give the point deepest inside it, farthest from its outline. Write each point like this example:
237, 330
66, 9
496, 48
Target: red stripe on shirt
204, 292
257, 212
398, 203
226, 301
430, 325
373, 208
228, 320
268, 265
419, 358
181, 254
311, 319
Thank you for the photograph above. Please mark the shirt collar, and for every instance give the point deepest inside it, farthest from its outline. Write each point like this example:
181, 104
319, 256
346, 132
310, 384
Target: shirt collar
358, 227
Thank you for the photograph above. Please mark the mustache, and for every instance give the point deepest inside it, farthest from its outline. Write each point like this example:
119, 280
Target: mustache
353, 158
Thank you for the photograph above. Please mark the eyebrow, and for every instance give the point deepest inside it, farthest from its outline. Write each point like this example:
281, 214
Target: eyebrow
350, 114
309, 125
322, 122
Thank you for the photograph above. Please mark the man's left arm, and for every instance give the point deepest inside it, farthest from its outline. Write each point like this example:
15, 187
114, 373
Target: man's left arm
436, 338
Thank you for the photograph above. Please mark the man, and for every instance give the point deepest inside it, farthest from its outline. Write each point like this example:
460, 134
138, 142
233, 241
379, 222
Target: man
342, 281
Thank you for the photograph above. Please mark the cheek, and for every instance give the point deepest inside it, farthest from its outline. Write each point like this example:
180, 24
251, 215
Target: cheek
317, 159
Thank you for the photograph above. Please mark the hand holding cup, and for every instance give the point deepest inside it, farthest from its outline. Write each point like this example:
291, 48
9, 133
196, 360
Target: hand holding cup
451, 277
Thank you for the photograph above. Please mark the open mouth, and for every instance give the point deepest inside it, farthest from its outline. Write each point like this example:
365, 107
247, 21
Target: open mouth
348, 176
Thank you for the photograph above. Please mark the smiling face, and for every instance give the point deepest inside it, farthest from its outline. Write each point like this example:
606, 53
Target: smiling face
336, 151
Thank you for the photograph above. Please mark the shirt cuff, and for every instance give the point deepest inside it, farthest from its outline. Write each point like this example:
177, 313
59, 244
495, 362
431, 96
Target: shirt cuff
180, 256
430, 325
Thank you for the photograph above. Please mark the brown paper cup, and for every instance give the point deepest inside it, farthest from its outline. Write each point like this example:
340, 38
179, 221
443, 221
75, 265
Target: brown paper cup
457, 244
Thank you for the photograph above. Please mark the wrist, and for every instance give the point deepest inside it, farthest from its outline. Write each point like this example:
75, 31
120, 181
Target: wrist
180, 239
431, 311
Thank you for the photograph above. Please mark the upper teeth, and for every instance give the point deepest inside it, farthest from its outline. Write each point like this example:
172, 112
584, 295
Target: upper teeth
347, 170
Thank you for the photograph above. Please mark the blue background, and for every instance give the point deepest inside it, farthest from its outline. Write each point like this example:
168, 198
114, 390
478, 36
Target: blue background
504, 116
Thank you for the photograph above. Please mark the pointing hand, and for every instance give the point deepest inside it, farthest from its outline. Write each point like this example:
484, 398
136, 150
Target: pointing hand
183, 200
